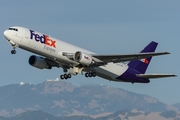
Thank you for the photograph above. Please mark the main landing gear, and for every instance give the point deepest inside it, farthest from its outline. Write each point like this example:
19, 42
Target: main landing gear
90, 74
65, 76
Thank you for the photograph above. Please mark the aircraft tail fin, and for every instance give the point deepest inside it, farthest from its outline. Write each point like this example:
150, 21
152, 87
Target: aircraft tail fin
141, 65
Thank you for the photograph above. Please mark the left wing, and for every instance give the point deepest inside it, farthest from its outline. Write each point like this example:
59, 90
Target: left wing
126, 57
153, 76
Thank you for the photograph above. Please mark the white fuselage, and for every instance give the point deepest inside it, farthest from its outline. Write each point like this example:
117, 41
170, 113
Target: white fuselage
53, 48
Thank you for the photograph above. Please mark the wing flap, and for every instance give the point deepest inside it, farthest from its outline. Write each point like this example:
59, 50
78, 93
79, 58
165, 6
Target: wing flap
153, 76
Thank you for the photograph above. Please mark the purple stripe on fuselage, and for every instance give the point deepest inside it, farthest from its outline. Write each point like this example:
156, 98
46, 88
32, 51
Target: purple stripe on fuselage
130, 76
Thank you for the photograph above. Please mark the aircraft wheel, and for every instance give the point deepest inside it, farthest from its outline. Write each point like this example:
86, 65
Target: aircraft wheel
65, 76
69, 75
90, 74
62, 77
86, 74
94, 74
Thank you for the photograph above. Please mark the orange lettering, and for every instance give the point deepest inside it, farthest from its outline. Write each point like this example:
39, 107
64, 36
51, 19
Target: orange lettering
47, 40
53, 43
50, 42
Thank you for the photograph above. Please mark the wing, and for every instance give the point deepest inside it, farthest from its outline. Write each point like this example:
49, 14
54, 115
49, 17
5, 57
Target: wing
99, 60
153, 76
126, 57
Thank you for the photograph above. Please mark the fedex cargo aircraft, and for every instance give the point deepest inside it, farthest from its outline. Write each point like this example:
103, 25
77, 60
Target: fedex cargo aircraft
75, 60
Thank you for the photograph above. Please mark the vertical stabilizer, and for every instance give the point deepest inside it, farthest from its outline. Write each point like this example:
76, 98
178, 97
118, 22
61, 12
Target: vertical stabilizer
141, 65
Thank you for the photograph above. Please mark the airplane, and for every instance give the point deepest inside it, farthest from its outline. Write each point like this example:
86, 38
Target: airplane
75, 60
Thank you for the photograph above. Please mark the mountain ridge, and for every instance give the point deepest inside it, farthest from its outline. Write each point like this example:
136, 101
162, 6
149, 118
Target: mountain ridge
118, 115
61, 98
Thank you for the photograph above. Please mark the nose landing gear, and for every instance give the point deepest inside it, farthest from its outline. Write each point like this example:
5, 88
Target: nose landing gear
14, 47
13, 51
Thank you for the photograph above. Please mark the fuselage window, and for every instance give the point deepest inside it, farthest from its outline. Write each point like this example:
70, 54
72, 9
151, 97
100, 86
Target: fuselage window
13, 29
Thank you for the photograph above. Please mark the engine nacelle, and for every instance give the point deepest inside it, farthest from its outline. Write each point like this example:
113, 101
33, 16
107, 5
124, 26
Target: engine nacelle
38, 62
83, 58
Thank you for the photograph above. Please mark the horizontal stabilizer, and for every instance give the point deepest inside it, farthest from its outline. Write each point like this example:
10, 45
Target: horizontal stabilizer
153, 76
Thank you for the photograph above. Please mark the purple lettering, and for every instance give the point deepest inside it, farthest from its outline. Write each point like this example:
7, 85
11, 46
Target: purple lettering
43, 39
32, 34
37, 37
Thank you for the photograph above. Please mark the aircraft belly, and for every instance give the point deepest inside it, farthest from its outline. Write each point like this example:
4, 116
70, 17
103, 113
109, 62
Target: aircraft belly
111, 71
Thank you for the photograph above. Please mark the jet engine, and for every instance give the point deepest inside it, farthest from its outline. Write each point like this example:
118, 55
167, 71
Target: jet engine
83, 58
38, 62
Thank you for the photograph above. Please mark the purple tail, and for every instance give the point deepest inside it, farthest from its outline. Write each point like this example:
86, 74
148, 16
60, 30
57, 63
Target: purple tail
141, 65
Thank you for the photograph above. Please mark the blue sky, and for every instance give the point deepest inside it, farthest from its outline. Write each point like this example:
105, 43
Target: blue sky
101, 26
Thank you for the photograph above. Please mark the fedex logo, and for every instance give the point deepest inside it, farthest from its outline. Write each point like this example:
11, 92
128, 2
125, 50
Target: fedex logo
145, 61
44, 39
87, 57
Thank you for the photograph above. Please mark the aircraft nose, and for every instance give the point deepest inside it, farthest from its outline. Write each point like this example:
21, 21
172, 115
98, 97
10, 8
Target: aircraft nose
6, 34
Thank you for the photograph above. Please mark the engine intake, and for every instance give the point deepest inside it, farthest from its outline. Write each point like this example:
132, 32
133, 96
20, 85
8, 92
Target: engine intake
38, 62
83, 58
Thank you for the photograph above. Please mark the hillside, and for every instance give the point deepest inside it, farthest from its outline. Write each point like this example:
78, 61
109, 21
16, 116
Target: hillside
177, 105
61, 98
119, 115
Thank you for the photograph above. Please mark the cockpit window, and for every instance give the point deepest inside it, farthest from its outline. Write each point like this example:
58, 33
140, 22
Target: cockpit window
13, 29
